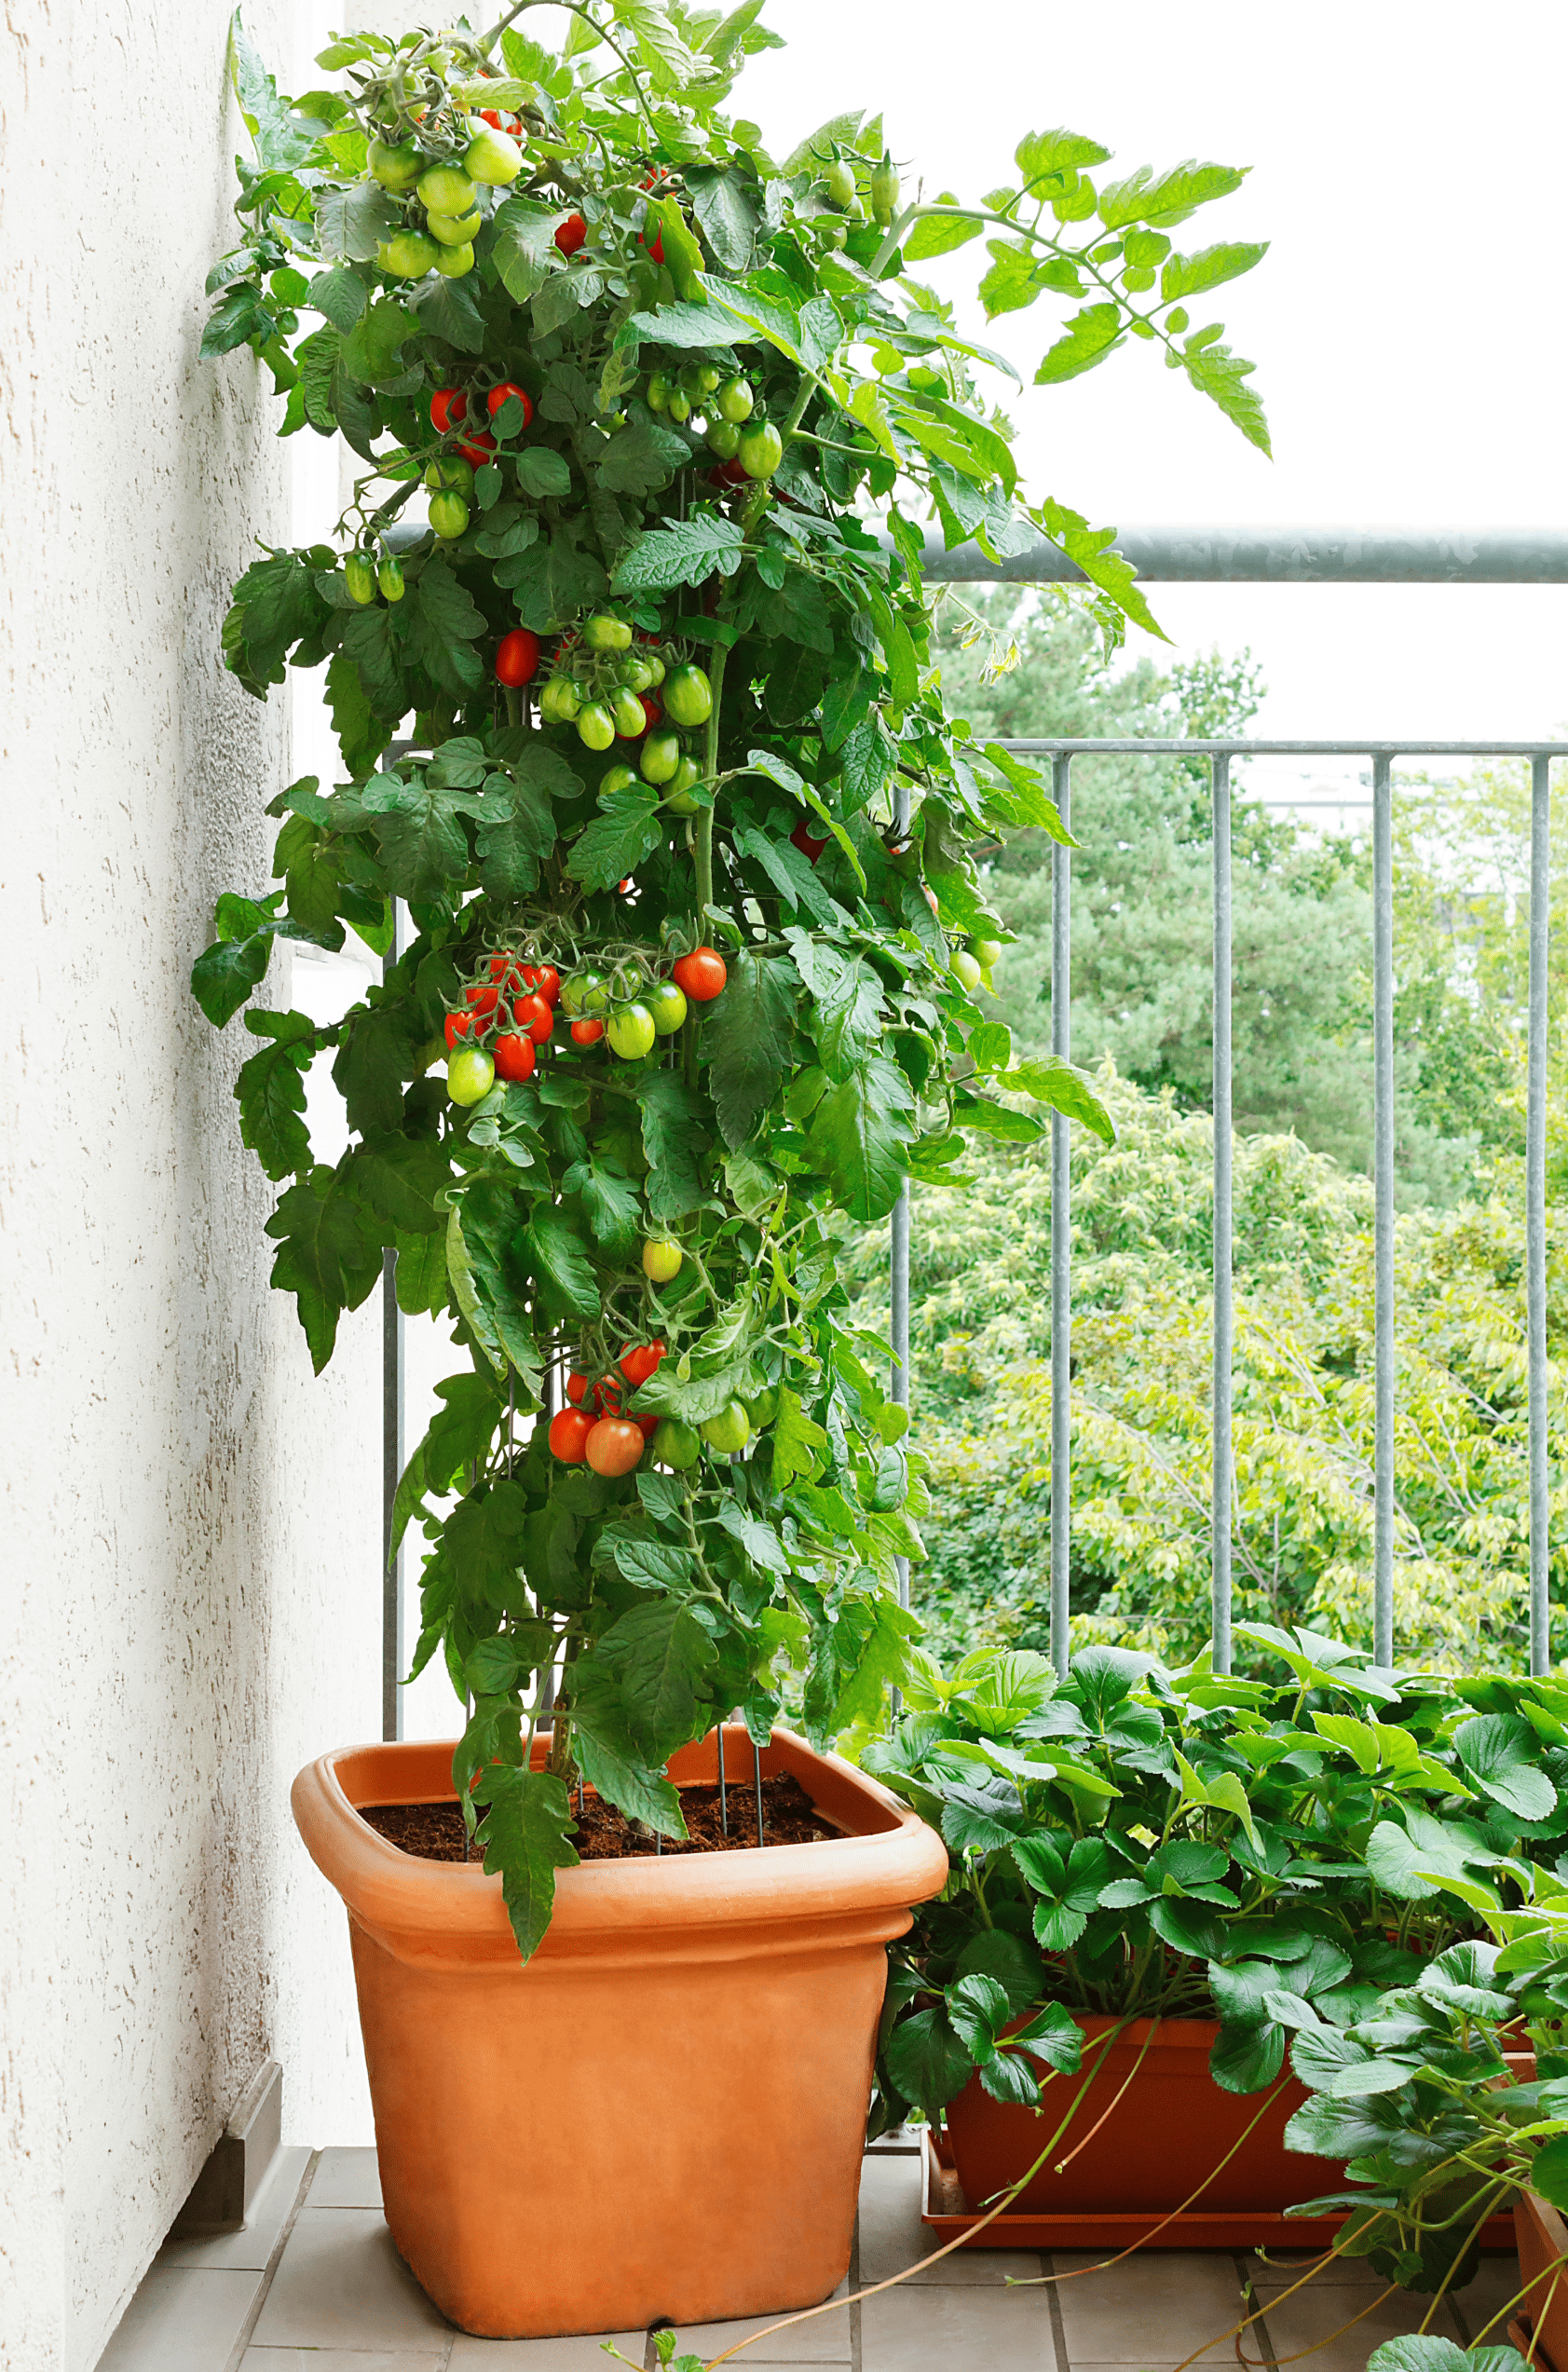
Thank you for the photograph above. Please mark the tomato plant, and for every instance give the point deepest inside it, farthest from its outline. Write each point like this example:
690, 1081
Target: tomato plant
712, 528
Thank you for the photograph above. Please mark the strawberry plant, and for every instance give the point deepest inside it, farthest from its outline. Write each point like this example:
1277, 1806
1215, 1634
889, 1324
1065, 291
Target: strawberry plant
627, 645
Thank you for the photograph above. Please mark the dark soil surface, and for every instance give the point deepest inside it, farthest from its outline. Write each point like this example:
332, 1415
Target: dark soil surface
434, 1831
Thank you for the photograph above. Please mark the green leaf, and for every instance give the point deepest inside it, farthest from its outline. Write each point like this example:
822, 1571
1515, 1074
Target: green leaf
1427, 2352
615, 843
642, 459
543, 474
1091, 550
560, 1263
858, 1133
1501, 1754
660, 1656
527, 1837
928, 2061
1246, 2058
223, 974
240, 319
938, 234
270, 1092
980, 1819
420, 835
1044, 156
326, 1257
281, 138
1190, 274
516, 833
798, 1443
745, 1036
1147, 198
447, 310
726, 213
1007, 1961
685, 553
621, 1778
979, 2009
1223, 376
674, 1139
1090, 337
523, 249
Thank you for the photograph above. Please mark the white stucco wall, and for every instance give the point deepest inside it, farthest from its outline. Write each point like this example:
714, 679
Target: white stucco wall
189, 1593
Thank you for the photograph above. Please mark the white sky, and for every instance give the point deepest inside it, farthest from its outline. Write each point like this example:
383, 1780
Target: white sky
1407, 324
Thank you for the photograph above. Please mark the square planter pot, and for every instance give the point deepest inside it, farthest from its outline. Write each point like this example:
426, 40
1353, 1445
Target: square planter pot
663, 2113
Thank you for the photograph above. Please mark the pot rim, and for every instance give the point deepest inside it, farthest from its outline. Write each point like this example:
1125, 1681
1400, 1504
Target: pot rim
855, 1885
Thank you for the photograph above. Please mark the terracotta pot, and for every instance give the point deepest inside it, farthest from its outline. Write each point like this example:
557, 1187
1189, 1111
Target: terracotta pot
662, 2114
1168, 2129
1541, 2327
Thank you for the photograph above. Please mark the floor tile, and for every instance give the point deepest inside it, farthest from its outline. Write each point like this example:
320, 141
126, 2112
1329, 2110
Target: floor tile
892, 2238
1496, 2287
346, 2178
181, 2321
933, 2330
1175, 2301
246, 2251
544, 2355
825, 2340
333, 2359
341, 2284
1314, 2317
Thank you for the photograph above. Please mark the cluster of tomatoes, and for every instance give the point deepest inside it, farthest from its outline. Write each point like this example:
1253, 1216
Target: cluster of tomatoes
613, 684
508, 1013
592, 1430
745, 449
444, 216
450, 477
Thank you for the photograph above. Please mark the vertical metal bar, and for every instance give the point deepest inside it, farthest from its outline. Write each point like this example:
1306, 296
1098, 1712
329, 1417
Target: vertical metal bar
392, 1416
1061, 1231
1382, 1165
1536, 1207
900, 1256
756, 1755
723, 1796
1224, 1324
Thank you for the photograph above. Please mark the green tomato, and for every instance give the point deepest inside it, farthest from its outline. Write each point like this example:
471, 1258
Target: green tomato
453, 230
761, 450
494, 157
631, 1032
444, 190
390, 578
655, 666
838, 183
680, 405
449, 516
886, 191
451, 474
763, 1407
361, 577
558, 701
964, 968
658, 392
630, 980
408, 256
667, 1004
675, 1444
585, 992
617, 778
660, 758
985, 952
595, 726
688, 696
470, 1075
396, 169
452, 262
636, 675
603, 632
631, 719
724, 438
678, 799
731, 1430
736, 400
663, 1258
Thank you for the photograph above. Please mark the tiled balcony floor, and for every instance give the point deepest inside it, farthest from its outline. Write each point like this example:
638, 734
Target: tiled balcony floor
316, 2285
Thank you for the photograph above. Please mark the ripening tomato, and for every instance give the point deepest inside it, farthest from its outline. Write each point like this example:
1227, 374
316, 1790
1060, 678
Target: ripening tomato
667, 1004
730, 1431
531, 1012
483, 1000
595, 726
518, 658
571, 233
453, 230
470, 1075
637, 1362
502, 394
985, 952
614, 1446
652, 710
661, 1259
546, 980
661, 758
579, 1390
446, 189
447, 404
701, 974
629, 711
603, 632
586, 991
448, 515
493, 158
568, 1435
478, 447
458, 1025
588, 1031
514, 1056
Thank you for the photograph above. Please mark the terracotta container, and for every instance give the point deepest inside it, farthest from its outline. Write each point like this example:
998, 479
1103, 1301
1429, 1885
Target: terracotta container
1540, 2329
662, 2114
1170, 2128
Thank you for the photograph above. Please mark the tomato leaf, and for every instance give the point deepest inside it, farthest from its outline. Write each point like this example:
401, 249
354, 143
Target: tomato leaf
527, 1837
642, 459
615, 843
683, 552
567, 1285
858, 1133
745, 1037
270, 1092
675, 1137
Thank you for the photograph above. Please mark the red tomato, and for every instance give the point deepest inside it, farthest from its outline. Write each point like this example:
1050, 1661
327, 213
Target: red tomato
637, 1365
577, 1389
518, 658
806, 843
531, 1012
657, 250
569, 1436
479, 448
649, 1426
483, 1000
700, 974
514, 1056
447, 404
613, 1446
458, 1027
489, 115
588, 1031
497, 396
505, 968
546, 980
730, 474
652, 708
570, 235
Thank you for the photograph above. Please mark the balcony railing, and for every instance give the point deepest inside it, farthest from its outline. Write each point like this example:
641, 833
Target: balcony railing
1208, 554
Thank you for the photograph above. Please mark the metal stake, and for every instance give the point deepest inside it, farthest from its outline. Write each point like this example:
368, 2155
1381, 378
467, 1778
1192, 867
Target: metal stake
1061, 1232
723, 1797
1383, 1111
756, 1755
899, 1328
1224, 1322
392, 1426
1535, 1208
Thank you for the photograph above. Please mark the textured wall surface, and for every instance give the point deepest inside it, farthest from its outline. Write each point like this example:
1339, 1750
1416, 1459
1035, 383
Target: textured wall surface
189, 1594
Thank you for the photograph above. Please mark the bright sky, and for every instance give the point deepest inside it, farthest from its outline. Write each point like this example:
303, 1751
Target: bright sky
1407, 322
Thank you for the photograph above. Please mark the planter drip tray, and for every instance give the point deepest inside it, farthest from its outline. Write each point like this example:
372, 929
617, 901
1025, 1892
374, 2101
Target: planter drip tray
947, 2213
